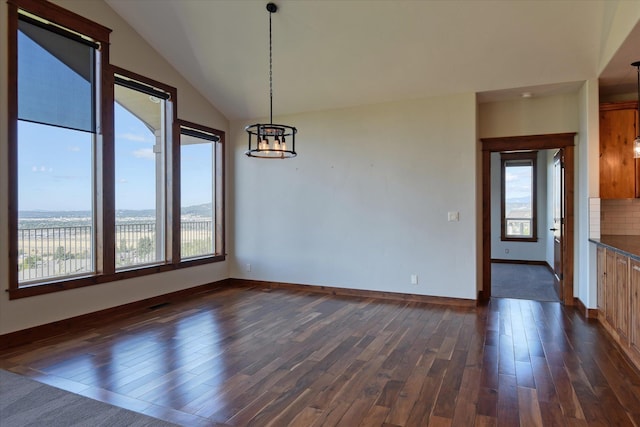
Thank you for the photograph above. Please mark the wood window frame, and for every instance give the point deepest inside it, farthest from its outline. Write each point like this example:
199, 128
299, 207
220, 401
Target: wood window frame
505, 157
104, 169
172, 169
219, 193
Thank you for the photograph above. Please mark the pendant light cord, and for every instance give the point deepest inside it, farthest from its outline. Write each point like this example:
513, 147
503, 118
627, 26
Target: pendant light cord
270, 74
638, 119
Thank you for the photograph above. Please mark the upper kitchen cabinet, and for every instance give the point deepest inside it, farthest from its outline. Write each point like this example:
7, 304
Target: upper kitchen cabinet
619, 171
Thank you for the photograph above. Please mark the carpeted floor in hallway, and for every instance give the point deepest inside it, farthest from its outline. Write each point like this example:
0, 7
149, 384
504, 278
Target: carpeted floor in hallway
522, 281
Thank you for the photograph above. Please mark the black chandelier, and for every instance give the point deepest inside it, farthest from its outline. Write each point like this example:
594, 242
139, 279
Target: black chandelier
272, 141
636, 143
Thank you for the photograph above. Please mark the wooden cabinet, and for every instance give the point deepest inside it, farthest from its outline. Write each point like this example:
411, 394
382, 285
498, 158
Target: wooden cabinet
622, 297
602, 282
610, 289
634, 326
619, 171
619, 299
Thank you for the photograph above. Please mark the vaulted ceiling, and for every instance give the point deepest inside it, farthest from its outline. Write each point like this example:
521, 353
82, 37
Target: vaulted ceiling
339, 53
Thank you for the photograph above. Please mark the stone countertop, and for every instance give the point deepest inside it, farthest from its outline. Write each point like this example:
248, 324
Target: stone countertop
628, 245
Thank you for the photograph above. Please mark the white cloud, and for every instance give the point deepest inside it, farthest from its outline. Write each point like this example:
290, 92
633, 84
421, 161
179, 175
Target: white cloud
123, 181
511, 177
73, 148
134, 137
144, 153
41, 169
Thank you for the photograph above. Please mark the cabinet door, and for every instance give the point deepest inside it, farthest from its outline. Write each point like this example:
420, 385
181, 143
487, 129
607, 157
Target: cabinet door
617, 165
634, 319
602, 276
610, 287
622, 296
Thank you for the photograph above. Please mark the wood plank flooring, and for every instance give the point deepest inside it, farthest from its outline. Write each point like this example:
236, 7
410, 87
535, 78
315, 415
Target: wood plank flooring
249, 357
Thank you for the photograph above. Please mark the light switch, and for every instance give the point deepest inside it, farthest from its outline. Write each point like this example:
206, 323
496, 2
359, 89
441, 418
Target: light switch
454, 216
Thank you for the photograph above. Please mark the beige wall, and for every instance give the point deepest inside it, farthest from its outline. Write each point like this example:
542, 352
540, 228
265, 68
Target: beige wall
365, 203
531, 116
620, 17
129, 51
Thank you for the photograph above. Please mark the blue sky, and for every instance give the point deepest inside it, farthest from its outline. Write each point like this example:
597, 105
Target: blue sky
518, 182
54, 167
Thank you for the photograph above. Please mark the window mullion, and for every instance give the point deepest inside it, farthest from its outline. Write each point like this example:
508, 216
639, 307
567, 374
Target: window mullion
105, 187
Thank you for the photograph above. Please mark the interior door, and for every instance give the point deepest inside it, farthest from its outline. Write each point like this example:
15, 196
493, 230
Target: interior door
558, 221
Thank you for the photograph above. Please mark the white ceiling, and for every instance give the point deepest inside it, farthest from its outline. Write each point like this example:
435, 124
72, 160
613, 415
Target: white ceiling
339, 53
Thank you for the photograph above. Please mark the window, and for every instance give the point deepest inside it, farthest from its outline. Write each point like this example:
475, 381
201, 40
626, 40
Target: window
143, 121
53, 144
200, 191
96, 156
518, 196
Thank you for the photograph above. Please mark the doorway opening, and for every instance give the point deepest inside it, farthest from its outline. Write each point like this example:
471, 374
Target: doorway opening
563, 210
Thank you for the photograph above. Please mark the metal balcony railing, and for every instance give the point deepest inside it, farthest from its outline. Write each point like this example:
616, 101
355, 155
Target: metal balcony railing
54, 252
519, 227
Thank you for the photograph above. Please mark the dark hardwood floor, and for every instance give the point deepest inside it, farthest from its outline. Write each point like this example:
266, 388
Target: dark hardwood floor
249, 357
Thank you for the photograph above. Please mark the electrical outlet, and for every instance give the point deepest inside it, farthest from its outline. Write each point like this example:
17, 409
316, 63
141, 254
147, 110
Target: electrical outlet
248, 267
414, 279
506, 251
453, 216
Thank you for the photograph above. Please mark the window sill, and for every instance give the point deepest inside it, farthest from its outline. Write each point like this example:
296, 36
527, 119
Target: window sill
80, 282
519, 239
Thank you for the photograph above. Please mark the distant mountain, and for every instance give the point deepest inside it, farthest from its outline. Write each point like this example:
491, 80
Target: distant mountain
53, 214
518, 200
198, 210
127, 213
203, 210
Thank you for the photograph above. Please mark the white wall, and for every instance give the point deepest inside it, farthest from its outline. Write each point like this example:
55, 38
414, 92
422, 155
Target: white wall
129, 51
364, 205
520, 251
587, 186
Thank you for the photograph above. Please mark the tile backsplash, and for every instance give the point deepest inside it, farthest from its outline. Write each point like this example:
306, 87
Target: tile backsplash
620, 216
595, 217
